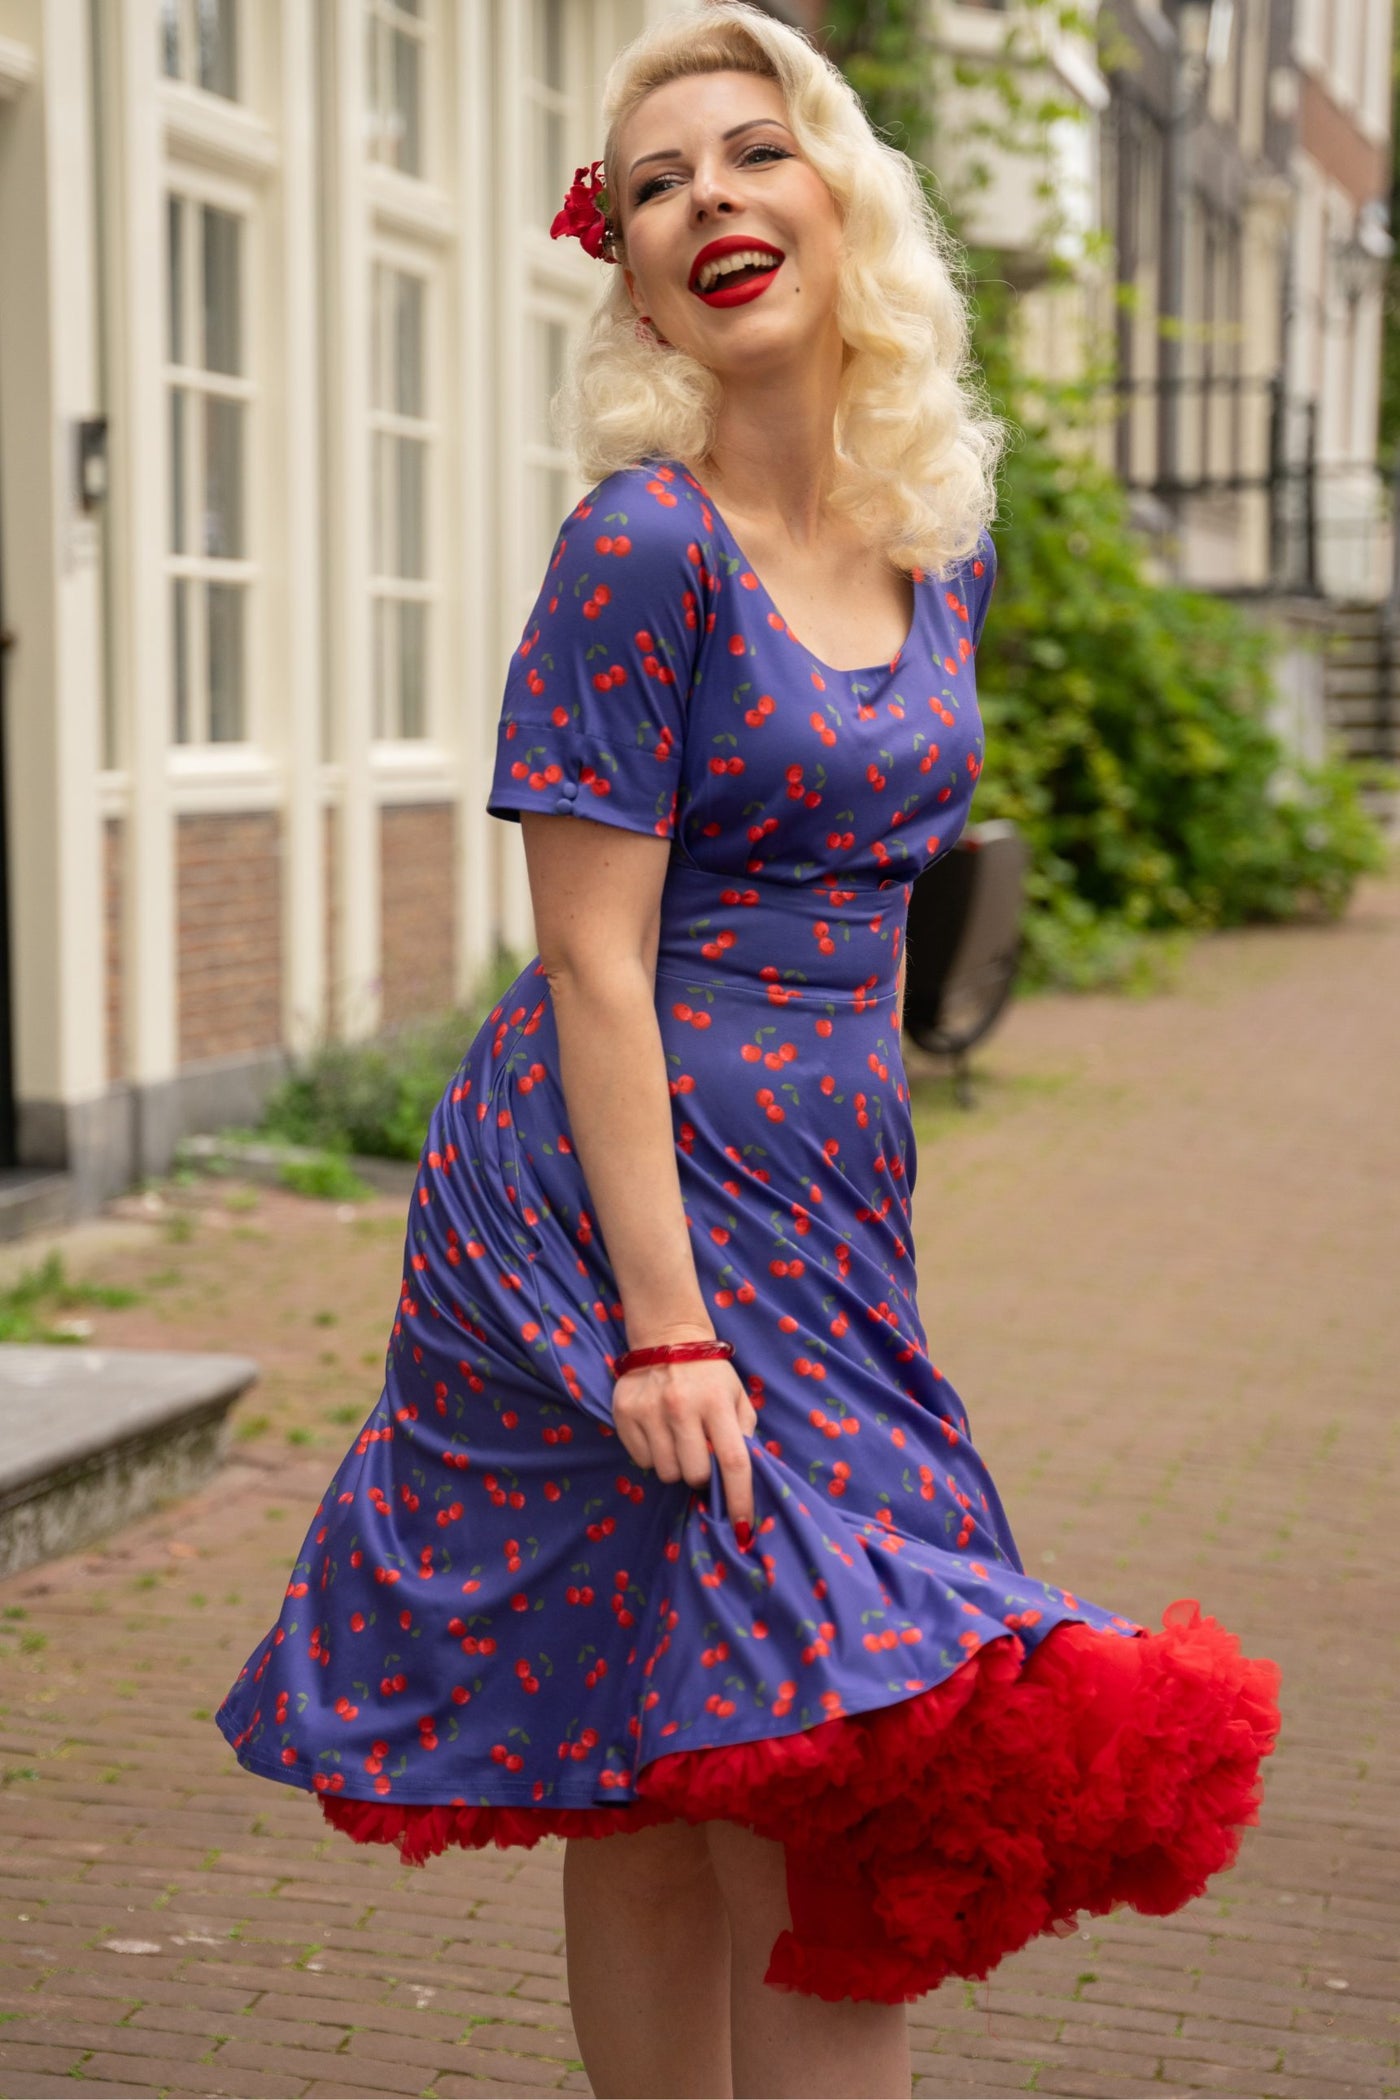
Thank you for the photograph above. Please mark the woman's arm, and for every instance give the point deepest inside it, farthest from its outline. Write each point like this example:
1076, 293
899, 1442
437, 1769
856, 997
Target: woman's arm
596, 893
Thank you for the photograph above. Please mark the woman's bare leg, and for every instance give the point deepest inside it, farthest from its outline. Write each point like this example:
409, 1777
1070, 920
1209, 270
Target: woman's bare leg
648, 1964
788, 2042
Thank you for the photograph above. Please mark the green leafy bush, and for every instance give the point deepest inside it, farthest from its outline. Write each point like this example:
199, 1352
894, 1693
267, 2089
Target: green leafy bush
1128, 735
1127, 721
376, 1097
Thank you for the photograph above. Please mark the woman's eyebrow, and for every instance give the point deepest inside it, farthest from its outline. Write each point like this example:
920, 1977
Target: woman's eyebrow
673, 152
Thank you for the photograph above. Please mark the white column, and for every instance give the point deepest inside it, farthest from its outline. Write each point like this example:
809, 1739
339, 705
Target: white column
48, 379
349, 637
139, 526
299, 530
477, 688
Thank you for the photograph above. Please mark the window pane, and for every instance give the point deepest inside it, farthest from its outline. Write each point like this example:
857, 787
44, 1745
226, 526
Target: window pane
380, 535
175, 276
179, 413
223, 478
382, 613
551, 339
223, 331
378, 302
224, 612
373, 129
409, 389
170, 38
412, 506
413, 669
547, 162
406, 127
218, 49
549, 42
180, 655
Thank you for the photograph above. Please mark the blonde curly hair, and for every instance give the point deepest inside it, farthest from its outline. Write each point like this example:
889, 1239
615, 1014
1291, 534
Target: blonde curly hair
916, 445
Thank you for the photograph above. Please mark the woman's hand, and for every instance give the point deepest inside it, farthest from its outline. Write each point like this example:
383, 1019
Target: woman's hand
670, 1417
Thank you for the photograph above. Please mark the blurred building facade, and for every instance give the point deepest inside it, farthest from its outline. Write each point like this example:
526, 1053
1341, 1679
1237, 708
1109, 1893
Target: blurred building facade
280, 318
279, 273
1218, 187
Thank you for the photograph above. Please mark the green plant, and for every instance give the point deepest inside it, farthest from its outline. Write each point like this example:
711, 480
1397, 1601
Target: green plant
1127, 735
28, 1307
376, 1097
1127, 721
330, 1177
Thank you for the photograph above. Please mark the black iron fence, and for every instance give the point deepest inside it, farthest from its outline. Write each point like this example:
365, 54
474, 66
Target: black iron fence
1201, 436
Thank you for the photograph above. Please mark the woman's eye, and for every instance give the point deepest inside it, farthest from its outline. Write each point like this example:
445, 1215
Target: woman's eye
656, 183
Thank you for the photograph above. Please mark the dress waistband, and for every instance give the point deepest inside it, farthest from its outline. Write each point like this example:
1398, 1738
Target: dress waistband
821, 941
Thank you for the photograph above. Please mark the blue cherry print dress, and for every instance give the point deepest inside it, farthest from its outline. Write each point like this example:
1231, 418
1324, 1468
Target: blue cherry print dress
499, 1626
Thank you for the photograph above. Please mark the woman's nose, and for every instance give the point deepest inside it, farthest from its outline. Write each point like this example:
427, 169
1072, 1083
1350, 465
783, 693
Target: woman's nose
710, 194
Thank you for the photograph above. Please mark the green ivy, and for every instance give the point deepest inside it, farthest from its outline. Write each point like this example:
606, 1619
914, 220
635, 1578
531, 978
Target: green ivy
1127, 720
1127, 735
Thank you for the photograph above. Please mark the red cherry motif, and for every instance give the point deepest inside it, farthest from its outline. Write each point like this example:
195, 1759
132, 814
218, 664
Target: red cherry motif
650, 706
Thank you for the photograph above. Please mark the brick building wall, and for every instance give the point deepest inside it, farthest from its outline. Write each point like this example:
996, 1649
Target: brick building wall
113, 897
228, 887
417, 847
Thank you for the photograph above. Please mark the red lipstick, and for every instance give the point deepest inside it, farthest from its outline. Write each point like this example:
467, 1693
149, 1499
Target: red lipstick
725, 292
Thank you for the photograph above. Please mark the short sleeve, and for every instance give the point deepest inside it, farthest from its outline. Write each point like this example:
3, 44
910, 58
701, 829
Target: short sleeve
597, 693
984, 576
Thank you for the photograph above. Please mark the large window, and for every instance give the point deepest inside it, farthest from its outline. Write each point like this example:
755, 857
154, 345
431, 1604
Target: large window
209, 403
548, 470
547, 62
396, 74
199, 43
402, 436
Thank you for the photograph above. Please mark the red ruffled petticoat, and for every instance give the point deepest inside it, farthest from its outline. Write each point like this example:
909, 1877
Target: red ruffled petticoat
930, 1838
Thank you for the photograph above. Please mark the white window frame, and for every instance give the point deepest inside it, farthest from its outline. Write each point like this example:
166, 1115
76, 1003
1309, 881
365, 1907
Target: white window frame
423, 263
197, 187
384, 19
245, 71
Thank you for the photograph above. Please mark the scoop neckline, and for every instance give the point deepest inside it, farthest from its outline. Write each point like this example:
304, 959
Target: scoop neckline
887, 665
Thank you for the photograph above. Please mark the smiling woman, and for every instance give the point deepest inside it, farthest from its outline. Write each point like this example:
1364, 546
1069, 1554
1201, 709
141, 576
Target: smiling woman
916, 447
669, 1535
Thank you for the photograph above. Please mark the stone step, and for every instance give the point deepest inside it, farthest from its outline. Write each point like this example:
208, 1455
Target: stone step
33, 1199
92, 1438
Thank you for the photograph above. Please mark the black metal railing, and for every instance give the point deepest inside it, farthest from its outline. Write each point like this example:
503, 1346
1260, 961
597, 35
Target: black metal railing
1220, 434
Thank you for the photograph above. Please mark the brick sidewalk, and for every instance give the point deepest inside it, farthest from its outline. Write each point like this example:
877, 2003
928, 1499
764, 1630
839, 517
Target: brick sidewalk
1160, 1266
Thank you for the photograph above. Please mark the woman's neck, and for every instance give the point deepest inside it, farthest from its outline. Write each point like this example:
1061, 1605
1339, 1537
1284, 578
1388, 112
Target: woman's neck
773, 458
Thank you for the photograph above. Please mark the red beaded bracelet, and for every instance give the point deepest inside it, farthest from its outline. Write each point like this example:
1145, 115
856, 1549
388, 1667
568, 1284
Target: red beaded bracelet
670, 1353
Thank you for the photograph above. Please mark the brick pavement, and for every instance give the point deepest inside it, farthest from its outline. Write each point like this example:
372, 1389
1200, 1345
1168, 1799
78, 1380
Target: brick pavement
1159, 1264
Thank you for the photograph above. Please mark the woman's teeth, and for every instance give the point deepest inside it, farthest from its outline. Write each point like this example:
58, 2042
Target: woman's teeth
738, 259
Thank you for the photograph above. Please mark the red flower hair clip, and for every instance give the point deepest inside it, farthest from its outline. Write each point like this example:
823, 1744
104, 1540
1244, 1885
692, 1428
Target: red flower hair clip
585, 214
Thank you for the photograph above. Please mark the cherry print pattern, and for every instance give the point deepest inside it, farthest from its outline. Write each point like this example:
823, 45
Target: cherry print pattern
499, 1626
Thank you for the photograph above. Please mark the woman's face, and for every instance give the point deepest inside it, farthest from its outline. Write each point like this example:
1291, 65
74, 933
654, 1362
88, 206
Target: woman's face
710, 171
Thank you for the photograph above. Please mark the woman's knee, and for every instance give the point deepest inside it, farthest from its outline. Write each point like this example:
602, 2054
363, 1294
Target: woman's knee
651, 1863
752, 1876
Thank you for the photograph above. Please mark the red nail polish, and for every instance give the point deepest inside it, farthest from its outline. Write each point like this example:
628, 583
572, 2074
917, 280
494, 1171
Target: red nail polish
743, 1532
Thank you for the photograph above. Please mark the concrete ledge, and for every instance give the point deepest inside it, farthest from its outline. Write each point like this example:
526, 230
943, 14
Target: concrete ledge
33, 1199
262, 1160
92, 1438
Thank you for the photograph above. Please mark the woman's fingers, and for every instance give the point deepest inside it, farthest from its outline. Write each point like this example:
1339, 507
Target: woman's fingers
692, 1451
632, 1431
735, 1466
672, 1426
